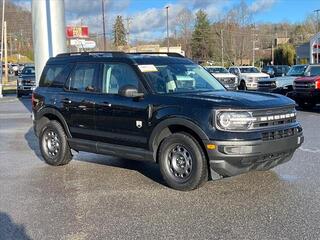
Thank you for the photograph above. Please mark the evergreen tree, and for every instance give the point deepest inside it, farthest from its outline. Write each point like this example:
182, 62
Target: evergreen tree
119, 32
200, 42
284, 55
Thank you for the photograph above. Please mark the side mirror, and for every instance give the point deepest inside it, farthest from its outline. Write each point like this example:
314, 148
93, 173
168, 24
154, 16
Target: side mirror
307, 74
130, 91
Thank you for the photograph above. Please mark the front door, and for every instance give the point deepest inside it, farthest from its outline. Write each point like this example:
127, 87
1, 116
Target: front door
121, 120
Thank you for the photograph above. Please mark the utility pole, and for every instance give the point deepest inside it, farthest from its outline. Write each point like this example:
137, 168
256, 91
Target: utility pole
317, 38
253, 46
2, 25
128, 19
5, 53
222, 48
168, 41
104, 27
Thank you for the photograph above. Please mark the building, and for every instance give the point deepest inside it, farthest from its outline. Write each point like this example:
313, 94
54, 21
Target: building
309, 52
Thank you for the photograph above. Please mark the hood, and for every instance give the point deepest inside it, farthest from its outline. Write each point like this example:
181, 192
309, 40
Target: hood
245, 100
223, 75
308, 79
255, 75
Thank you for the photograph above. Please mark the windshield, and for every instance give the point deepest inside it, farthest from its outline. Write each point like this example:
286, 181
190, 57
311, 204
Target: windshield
217, 70
296, 71
314, 70
179, 78
249, 70
28, 70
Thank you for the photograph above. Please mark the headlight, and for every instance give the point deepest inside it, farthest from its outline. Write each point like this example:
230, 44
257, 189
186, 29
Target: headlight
19, 81
234, 120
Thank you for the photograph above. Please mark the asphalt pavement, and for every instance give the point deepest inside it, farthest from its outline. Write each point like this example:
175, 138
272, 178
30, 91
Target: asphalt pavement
100, 197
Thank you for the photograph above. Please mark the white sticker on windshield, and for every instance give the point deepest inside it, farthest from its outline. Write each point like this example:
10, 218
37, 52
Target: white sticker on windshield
148, 68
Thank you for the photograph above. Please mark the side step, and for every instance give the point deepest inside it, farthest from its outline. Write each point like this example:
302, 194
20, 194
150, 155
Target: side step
111, 149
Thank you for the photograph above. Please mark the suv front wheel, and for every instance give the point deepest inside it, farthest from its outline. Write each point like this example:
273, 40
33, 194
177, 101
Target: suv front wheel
183, 163
53, 144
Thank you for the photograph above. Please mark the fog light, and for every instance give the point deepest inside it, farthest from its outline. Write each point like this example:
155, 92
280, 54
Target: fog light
237, 150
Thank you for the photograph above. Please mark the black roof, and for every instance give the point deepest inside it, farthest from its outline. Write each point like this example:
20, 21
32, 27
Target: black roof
132, 58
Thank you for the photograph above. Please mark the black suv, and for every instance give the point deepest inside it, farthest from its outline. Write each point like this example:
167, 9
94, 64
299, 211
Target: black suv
165, 109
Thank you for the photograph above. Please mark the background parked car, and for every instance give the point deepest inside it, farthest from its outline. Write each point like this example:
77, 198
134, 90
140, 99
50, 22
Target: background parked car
14, 68
230, 81
248, 76
307, 88
275, 70
26, 81
284, 84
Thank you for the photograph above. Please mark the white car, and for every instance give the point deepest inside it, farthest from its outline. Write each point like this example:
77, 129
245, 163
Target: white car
248, 76
230, 81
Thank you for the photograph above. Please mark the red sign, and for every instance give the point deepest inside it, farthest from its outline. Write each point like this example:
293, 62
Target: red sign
77, 32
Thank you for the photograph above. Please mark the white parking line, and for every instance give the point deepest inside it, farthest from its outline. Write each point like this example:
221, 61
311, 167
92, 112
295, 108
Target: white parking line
310, 150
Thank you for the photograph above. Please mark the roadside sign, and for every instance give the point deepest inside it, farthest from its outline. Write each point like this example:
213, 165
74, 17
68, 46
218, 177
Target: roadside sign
82, 43
77, 32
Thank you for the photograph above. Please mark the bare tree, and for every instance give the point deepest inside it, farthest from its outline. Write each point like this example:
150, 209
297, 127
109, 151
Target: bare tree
184, 23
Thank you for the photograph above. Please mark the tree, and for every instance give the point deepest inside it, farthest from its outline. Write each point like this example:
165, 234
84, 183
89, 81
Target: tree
284, 55
184, 22
119, 32
200, 41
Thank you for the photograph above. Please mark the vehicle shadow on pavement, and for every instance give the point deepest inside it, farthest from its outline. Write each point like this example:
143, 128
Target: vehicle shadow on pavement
11, 231
148, 169
26, 101
32, 141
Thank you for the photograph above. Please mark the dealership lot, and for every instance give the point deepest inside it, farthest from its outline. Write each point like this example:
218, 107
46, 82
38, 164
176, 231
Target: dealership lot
104, 197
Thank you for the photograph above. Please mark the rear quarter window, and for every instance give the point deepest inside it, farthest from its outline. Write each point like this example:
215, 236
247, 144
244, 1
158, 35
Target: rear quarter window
55, 75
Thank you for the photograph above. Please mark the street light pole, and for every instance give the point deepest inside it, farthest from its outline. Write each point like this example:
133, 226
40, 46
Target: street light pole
168, 41
2, 37
104, 27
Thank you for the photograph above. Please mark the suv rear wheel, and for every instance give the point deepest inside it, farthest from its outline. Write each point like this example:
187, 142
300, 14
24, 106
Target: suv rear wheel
53, 144
183, 163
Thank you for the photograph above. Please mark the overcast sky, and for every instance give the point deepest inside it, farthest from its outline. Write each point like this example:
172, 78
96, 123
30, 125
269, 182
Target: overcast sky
149, 16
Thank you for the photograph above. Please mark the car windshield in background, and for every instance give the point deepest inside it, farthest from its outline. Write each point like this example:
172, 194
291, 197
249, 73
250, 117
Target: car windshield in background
217, 70
296, 71
314, 70
249, 70
179, 78
28, 70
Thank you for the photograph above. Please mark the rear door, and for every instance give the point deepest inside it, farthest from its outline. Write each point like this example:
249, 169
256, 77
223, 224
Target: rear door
79, 100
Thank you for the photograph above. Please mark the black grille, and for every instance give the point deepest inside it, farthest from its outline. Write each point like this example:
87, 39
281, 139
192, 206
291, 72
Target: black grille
267, 85
274, 135
302, 85
274, 117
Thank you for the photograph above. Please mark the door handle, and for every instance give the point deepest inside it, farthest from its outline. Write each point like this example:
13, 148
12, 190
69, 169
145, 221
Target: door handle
106, 104
66, 100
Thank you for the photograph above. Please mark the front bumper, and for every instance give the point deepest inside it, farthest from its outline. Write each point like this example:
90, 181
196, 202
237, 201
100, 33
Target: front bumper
307, 95
251, 155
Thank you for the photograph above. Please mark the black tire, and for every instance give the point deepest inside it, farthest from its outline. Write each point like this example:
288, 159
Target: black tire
242, 85
182, 170
19, 95
307, 105
53, 144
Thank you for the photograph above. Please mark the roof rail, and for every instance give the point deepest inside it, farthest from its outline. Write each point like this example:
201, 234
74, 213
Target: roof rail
94, 53
169, 54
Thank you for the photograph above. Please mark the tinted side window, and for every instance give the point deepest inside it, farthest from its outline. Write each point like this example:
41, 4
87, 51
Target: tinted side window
116, 76
54, 75
84, 78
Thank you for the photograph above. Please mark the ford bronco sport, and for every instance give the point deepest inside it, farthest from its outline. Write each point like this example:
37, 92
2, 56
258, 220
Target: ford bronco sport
165, 109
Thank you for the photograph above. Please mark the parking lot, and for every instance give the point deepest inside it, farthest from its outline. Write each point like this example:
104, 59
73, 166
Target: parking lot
99, 197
